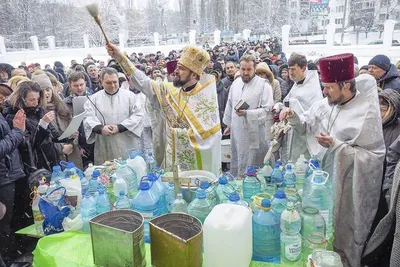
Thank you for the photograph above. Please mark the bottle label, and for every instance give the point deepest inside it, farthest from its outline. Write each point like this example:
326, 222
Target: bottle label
293, 251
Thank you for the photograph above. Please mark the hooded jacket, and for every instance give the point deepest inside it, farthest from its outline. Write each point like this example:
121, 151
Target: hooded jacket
390, 79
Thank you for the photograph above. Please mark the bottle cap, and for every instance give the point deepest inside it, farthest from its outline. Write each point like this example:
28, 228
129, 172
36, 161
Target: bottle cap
96, 173
144, 186
289, 167
101, 191
222, 180
70, 165
266, 203
234, 197
280, 194
152, 177
277, 165
251, 171
121, 193
201, 194
204, 185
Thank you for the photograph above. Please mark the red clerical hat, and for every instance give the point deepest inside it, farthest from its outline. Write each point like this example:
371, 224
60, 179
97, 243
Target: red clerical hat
171, 66
337, 68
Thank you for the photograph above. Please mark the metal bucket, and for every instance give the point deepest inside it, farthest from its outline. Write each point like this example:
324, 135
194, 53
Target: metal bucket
118, 239
176, 240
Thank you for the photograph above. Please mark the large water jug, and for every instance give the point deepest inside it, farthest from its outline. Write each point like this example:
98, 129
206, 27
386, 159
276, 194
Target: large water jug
94, 182
312, 166
123, 202
179, 205
159, 190
223, 189
170, 194
234, 199
319, 196
251, 184
290, 236
277, 175
57, 174
200, 207
266, 172
266, 234
102, 202
210, 191
71, 171
120, 185
279, 202
137, 163
145, 202
300, 171
228, 236
289, 179
88, 211
126, 173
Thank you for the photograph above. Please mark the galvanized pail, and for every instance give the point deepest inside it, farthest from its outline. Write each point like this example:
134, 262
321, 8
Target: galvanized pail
176, 240
118, 239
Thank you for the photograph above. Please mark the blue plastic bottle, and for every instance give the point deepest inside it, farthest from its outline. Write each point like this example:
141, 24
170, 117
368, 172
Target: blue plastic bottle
125, 172
57, 174
145, 202
93, 182
251, 185
211, 192
102, 202
71, 171
223, 189
279, 202
289, 179
123, 202
159, 190
234, 198
84, 185
266, 234
277, 175
200, 207
88, 211
170, 195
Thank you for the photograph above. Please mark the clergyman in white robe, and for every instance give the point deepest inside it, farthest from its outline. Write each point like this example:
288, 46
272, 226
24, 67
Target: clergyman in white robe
248, 142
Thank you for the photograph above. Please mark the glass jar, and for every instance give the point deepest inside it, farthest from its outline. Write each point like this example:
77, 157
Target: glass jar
325, 258
313, 242
312, 222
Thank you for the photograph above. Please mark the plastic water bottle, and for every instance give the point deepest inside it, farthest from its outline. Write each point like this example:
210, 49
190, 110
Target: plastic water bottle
102, 202
211, 192
266, 234
151, 162
279, 162
279, 202
180, 205
125, 172
145, 202
223, 189
300, 171
277, 175
289, 179
42, 188
123, 202
84, 185
289, 163
266, 172
251, 185
37, 215
200, 207
234, 198
88, 211
120, 185
94, 183
290, 236
159, 190
170, 195
70, 171
319, 196
57, 174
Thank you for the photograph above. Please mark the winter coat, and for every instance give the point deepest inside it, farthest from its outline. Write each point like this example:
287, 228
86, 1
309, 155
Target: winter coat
221, 99
67, 91
38, 146
10, 161
390, 79
391, 125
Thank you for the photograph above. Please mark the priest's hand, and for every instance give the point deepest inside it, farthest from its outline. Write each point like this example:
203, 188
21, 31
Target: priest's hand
227, 131
324, 140
107, 130
115, 129
241, 113
114, 51
286, 113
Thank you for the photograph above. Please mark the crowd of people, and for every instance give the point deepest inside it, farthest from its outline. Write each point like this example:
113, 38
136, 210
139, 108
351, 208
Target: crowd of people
164, 103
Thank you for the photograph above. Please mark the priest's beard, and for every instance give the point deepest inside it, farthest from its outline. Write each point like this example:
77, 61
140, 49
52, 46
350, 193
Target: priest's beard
247, 78
178, 82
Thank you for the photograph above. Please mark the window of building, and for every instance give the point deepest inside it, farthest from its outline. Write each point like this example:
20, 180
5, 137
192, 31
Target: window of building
340, 9
293, 4
325, 22
338, 21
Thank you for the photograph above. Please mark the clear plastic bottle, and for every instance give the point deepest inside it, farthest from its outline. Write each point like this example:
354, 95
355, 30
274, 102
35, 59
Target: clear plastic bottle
88, 211
300, 171
223, 189
71, 171
211, 192
94, 183
37, 215
120, 185
251, 184
200, 207
170, 195
279, 202
290, 236
159, 190
234, 198
289, 179
125, 172
277, 175
57, 174
123, 202
180, 205
84, 185
102, 202
266, 234
266, 172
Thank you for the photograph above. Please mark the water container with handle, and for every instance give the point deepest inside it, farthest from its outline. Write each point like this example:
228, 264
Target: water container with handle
223, 189
71, 171
200, 207
210, 190
159, 190
137, 163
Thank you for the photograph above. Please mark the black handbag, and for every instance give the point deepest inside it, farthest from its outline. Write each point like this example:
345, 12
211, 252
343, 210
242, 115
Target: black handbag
33, 173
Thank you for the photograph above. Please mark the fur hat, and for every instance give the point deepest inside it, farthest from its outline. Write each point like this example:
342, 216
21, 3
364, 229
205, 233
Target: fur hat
194, 58
338, 68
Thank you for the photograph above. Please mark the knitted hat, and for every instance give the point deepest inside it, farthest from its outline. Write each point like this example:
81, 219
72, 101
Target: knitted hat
381, 61
43, 81
194, 58
338, 68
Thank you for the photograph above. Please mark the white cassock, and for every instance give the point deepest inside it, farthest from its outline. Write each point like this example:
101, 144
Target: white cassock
354, 162
192, 124
248, 142
123, 108
300, 98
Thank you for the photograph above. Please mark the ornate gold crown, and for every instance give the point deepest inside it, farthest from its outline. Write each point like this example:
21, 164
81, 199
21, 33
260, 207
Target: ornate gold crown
194, 58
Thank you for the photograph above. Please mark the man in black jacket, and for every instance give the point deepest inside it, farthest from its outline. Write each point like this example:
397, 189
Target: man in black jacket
10, 172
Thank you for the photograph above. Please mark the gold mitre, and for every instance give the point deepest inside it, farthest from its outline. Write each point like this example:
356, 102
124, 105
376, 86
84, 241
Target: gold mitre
194, 58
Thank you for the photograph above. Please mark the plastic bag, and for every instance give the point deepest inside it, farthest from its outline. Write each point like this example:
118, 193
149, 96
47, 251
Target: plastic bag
75, 224
74, 191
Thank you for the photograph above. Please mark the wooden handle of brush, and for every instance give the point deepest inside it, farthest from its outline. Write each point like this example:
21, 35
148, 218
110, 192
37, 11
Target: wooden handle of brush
102, 30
